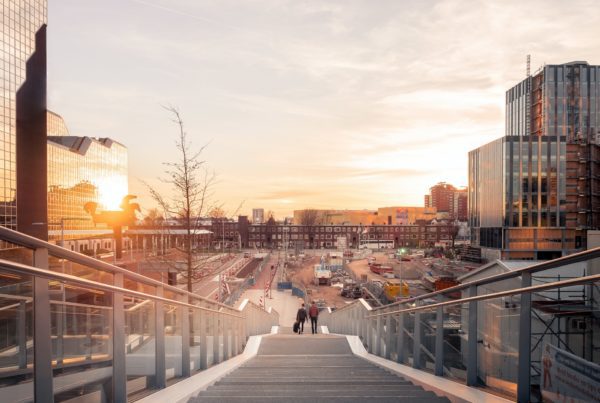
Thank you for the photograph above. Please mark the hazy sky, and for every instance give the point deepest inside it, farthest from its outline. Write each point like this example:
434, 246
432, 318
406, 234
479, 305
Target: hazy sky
346, 104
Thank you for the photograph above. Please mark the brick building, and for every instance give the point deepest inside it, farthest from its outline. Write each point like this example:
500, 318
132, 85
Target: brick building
274, 235
449, 201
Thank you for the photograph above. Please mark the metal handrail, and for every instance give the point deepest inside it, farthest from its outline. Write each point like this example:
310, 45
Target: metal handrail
523, 290
551, 264
30, 242
33, 271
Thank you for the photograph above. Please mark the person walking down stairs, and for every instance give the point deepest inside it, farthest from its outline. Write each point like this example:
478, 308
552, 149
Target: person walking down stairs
313, 313
301, 318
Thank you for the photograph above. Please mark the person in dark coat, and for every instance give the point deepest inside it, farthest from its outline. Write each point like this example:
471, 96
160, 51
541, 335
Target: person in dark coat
301, 318
313, 313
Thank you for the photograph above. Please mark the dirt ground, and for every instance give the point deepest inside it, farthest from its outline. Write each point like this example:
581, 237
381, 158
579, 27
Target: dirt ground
303, 272
409, 270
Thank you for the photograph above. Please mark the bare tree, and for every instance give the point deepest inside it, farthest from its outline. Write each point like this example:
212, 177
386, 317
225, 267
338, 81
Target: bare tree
270, 214
153, 217
453, 231
187, 201
310, 218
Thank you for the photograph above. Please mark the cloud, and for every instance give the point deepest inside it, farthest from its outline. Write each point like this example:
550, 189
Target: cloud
334, 104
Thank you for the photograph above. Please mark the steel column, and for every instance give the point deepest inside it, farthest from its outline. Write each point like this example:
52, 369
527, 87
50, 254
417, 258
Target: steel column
159, 337
379, 336
524, 370
184, 314
22, 334
389, 327
439, 342
42, 352
215, 331
400, 340
204, 321
119, 378
417, 339
472, 340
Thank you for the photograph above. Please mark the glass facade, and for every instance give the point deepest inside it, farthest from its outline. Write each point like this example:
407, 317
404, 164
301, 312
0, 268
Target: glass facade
23, 98
545, 189
56, 125
83, 169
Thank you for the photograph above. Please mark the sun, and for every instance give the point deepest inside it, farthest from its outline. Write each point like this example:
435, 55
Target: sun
111, 191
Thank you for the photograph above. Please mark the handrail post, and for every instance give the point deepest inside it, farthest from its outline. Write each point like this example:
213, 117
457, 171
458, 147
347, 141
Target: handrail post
472, 339
216, 336
159, 337
524, 370
389, 326
417, 339
88, 332
226, 349
42, 352
400, 340
60, 330
439, 341
204, 322
370, 336
184, 313
119, 368
22, 333
379, 336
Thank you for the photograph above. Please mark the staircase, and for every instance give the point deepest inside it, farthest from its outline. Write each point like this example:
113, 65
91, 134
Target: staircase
311, 368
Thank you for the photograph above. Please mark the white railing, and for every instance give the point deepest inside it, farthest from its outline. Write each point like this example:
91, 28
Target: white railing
493, 335
108, 331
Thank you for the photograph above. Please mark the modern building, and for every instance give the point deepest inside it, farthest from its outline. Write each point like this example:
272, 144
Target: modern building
450, 202
23, 111
80, 170
533, 194
258, 215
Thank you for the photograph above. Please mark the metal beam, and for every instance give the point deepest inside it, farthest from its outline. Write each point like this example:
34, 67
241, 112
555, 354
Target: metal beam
472, 340
524, 370
119, 378
42, 352
160, 380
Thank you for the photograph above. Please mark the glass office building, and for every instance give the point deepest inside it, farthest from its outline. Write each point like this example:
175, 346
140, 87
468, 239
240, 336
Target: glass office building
23, 114
529, 189
80, 170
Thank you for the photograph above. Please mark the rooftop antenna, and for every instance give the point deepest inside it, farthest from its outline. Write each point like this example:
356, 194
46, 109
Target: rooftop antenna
528, 65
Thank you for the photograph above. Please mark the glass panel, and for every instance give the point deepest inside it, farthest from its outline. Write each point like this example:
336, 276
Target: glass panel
456, 327
139, 348
81, 329
195, 339
564, 341
409, 329
172, 340
16, 337
498, 341
428, 330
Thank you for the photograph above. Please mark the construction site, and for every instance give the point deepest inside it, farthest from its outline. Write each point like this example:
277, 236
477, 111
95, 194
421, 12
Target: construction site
335, 279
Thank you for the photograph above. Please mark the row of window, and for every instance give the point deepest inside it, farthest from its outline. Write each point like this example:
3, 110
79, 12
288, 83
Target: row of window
344, 229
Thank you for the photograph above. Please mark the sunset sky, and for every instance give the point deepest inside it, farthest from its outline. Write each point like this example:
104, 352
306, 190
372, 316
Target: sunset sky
347, 104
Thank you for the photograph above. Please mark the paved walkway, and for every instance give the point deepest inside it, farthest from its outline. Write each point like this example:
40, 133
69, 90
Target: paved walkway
283, 302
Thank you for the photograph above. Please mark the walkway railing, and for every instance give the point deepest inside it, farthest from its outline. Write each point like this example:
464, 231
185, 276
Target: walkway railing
97, 328
492, 334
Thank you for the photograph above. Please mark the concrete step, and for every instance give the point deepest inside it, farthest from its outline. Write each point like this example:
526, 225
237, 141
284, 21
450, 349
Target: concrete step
308, 383
301, 388
319, 393
386, 399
